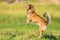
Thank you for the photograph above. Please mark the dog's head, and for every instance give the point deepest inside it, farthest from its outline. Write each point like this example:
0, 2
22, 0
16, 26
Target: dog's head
29, 6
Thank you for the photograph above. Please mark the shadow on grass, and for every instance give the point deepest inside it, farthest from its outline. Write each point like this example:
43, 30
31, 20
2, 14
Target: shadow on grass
50, 37
58, 37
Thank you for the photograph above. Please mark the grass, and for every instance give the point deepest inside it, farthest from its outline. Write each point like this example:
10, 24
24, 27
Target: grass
13, 22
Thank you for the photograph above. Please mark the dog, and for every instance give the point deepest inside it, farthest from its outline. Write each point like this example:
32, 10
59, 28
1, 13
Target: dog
32, 16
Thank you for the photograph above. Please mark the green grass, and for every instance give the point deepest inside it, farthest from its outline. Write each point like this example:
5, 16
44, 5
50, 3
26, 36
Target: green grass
13, 22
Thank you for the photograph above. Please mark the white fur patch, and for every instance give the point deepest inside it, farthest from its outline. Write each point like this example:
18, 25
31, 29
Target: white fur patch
27, 16
38, 24
44, 28
27, 7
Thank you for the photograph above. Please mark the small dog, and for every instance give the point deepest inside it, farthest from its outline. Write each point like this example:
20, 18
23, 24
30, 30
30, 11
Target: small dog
32, 16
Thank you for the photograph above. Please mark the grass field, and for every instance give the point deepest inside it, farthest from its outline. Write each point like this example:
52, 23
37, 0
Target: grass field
13, 22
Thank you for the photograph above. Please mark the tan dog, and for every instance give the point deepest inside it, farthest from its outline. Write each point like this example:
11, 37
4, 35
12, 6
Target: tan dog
33, 17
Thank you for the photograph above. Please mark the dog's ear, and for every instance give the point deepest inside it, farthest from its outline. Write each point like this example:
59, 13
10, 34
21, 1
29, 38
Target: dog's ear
32, 6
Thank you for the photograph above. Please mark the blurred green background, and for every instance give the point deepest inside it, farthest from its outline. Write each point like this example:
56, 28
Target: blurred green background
13, 20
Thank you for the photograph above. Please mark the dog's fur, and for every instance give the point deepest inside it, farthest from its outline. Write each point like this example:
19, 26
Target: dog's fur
32, 16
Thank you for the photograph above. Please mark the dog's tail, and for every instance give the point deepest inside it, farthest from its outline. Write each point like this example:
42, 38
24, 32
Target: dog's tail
48, 17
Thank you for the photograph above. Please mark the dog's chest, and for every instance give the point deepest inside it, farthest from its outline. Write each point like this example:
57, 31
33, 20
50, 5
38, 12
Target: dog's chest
27, 16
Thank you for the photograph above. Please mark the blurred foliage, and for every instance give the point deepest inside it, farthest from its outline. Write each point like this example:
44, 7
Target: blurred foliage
42, 1
1, 0
9, 1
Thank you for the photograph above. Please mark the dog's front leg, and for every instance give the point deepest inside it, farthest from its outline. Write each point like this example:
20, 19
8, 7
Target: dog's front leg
28, 20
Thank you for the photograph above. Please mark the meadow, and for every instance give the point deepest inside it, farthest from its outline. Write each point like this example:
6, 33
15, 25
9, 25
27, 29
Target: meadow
13, 22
